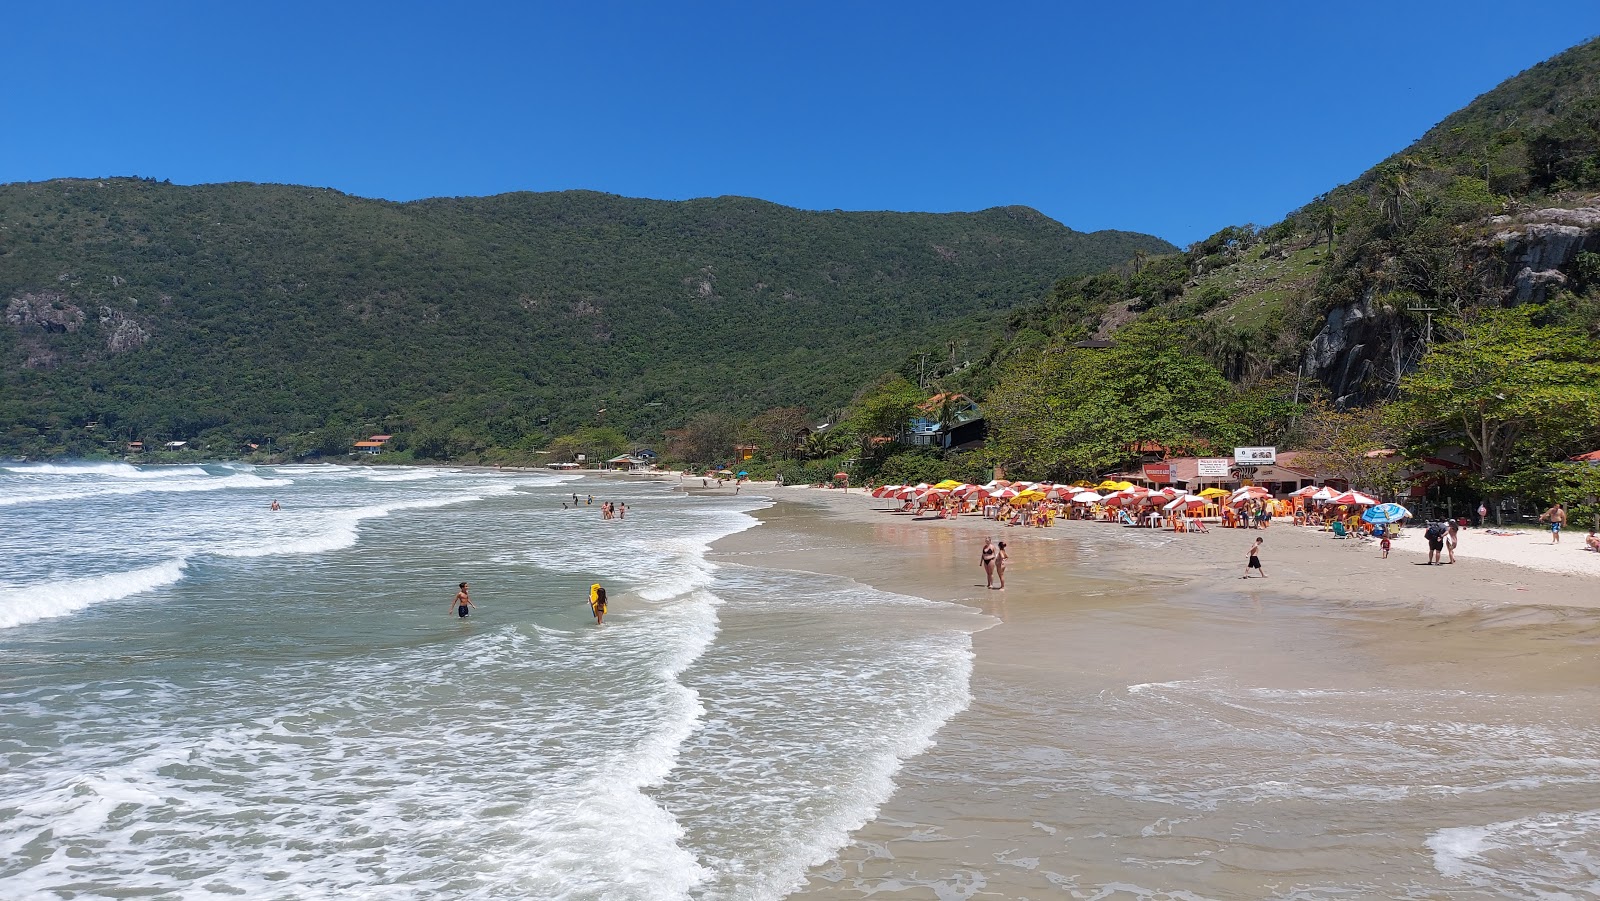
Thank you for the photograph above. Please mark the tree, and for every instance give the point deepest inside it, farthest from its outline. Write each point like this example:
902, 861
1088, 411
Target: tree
819, 445
778, 430
886, 409
1507, 382
705, 438
1356, 445
593, 443
1073, 411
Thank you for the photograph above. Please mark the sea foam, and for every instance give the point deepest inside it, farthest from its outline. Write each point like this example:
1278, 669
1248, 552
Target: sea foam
31, 603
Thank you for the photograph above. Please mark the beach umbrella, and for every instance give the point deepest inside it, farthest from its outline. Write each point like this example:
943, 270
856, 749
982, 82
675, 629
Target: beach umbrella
1385, 513
1186, 501
841, 476
1214, 492
1324, 494
1004, 494
1307, 491
948, 484
1355, 497
1031, 494
1087, 497
743, 472
886, 490
1109, 485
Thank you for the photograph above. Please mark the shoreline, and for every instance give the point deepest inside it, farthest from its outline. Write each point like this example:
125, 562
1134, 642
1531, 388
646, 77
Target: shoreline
1297, 559
970, 816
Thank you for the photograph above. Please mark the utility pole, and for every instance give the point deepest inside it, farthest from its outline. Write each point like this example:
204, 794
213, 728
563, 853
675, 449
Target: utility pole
922, 370
1427, 335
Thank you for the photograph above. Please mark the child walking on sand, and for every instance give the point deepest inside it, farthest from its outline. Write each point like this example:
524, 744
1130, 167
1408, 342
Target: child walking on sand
1384, 544
1255, 560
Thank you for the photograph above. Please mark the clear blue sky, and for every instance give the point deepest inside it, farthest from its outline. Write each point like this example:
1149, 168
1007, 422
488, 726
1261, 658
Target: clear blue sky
1173, 118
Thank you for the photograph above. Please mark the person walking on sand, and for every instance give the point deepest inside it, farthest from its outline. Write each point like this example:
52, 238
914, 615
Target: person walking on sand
1483, 515
1451, 536
987, 557
597, 603
1255, 560
1384, 543
1557, 517
462, 603
1000, 558
1435, 537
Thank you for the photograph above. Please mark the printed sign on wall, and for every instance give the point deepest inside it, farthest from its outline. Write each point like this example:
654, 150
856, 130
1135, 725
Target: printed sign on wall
1255, 456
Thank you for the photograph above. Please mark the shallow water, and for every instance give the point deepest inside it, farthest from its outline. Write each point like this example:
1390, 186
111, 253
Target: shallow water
1139, 740
203, 698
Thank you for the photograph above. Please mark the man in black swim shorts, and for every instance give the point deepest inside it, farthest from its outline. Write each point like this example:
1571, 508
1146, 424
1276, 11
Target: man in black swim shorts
463, 604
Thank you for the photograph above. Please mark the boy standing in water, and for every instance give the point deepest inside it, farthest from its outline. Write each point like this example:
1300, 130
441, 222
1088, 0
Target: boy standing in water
463, 604
1255, 560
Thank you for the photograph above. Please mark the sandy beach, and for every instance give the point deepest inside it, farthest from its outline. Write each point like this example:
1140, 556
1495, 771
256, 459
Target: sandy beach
1146, 724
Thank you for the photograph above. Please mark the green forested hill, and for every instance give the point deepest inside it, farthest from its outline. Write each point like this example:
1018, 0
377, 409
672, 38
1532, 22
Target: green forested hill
243, 311
1446, 302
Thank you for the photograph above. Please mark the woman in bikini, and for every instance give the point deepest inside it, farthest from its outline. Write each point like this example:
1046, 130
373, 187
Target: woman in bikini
1000, 559
987, 557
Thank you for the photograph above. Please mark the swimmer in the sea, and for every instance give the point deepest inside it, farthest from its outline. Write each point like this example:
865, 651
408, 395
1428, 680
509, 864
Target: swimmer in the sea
274, 506
462, 603
597, 603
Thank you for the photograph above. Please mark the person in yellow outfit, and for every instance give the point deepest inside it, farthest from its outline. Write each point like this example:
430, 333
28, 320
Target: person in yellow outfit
597, 603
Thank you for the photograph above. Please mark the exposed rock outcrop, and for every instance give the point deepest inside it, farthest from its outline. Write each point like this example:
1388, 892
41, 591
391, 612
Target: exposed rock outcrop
47, 311
123, 333
1538, 243
1340, 355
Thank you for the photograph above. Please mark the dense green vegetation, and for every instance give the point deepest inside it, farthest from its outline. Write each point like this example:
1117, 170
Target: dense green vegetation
1430, 339
465, 327
1396, 317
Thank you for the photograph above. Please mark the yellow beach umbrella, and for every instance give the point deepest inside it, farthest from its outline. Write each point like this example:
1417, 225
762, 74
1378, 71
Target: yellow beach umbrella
947, 484
1031, 495
1215, 492
1109, 485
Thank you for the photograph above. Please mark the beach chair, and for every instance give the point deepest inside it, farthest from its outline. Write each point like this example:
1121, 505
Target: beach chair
1339, 531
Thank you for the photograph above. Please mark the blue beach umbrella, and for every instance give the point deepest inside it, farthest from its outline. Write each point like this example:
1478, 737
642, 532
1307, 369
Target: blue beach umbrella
743, 473
1384, 513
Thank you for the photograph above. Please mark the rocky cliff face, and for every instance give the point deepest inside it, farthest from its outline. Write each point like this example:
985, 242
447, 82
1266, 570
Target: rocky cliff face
48, 326
1539, 244
1362, 348
46, 311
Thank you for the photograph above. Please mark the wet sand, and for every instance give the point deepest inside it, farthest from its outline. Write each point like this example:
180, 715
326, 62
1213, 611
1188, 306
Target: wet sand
1147, 724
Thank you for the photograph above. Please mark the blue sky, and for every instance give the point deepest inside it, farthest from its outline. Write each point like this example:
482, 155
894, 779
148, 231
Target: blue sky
1171, 118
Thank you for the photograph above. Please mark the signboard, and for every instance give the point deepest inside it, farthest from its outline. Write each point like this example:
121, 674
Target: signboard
1160, 473
1255, 456
1214, 469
